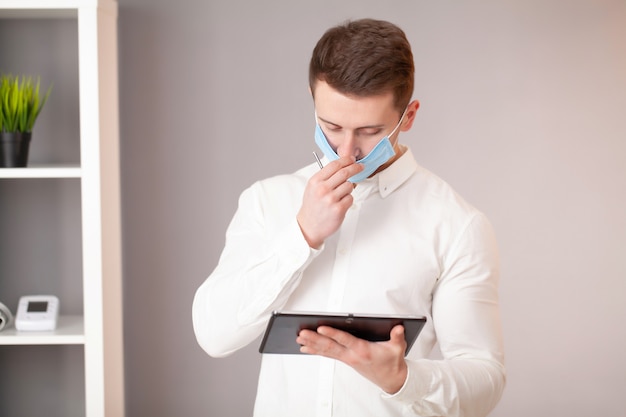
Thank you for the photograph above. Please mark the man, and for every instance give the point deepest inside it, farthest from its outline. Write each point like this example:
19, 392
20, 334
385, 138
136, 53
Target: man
370, 232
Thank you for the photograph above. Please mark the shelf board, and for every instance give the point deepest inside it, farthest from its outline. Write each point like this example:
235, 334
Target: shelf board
42, 171
48, 4
29, 9
34, 13
69, 331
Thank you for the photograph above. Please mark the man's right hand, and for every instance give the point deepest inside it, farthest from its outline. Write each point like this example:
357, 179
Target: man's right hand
327, 198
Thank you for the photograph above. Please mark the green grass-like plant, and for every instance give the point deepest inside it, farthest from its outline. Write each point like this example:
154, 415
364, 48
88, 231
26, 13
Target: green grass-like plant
20, 103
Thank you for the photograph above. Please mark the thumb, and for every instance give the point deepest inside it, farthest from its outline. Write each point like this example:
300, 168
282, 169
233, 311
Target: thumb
397, 334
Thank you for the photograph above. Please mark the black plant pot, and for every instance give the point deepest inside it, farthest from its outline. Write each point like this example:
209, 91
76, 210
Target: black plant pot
14, 149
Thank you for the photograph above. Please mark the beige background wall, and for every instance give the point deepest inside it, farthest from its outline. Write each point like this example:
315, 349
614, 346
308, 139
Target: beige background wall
523, 111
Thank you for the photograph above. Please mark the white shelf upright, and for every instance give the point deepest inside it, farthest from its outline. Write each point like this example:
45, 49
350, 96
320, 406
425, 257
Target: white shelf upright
100, 329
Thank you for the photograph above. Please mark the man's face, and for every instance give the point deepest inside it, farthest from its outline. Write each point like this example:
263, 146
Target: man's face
354, 125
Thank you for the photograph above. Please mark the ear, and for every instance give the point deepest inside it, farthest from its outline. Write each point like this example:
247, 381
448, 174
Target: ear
410, 115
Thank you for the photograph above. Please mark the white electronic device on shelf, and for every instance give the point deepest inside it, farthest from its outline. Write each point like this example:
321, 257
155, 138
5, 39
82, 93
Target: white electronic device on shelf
37, 313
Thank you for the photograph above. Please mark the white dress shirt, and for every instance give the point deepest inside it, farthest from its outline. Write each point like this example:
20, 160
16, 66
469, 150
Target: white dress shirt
409, 245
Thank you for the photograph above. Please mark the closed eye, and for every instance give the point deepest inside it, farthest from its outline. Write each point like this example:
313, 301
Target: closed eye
369, 132
364, 131
333, 128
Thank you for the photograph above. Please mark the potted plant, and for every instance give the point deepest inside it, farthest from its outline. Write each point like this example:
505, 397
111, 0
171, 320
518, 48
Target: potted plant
20, 104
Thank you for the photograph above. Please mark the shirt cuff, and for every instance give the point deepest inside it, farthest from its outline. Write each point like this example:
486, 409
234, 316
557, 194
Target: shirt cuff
416, 385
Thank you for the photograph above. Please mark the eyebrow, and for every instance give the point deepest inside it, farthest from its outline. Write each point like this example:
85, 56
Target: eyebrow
379, 126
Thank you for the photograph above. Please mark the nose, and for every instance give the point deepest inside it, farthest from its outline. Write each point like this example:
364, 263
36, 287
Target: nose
348, 146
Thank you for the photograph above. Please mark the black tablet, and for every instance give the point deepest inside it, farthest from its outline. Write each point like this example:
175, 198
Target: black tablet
283, 328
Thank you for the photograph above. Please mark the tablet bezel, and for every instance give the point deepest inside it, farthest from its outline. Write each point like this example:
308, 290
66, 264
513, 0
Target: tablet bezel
284, 326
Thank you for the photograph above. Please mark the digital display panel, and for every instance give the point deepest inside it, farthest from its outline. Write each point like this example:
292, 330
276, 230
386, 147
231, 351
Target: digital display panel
37, 307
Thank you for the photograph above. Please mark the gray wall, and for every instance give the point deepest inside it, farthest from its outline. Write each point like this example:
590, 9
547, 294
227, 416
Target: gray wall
522, 112
523, 108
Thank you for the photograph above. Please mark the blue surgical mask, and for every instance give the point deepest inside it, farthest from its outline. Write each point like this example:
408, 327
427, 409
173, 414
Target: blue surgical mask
382, 152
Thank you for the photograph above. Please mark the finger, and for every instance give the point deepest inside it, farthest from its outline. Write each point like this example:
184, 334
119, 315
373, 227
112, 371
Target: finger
343, 338
315, 343
342, 195
336, 190
344, 174
397, 337
304, 339
339, 171
397, 333
332, 167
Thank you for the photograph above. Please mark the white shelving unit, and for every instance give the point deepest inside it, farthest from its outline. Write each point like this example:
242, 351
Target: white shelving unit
99, 330
70, 331
43, 171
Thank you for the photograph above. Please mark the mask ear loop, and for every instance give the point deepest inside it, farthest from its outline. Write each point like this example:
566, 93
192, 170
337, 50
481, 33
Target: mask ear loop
399, 123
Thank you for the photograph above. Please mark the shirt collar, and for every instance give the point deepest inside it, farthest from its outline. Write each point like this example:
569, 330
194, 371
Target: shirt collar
392, 177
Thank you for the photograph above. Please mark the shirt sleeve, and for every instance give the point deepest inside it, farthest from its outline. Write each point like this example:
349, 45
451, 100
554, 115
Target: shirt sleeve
258, 269
470, 379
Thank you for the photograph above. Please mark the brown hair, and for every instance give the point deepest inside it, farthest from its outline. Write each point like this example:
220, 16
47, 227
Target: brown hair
364, 58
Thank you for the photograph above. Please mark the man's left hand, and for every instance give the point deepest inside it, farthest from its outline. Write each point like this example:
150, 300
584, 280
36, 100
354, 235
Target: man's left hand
381, 362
